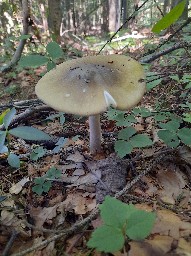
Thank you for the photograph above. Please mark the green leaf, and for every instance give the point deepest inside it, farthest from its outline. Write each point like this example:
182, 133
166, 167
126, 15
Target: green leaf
171, 125
122, 120
3, 135
170, 17
170, 138
185, 135
153, 84
46, 186
33, 60
13, 160
3, 115
53, 173
37, 153
29, 133
187, 117
39, 181
140, 224
122, 148
50, 65
54, 50
9, 117
126, 133
23, 37
37, 189
140, 141
107, 239
114, 212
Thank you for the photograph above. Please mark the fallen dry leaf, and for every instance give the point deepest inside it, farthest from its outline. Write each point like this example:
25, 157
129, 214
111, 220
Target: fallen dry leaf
172, 182
16, 188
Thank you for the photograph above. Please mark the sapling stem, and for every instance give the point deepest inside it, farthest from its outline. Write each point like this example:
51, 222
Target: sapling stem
95, 134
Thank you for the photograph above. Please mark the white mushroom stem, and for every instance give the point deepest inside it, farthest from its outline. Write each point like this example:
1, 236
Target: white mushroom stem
95, 134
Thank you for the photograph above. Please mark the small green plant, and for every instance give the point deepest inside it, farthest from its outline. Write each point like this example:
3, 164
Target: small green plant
128, 140
24, 132
121, 221
43, 184
53, 52
37, 153
172, 134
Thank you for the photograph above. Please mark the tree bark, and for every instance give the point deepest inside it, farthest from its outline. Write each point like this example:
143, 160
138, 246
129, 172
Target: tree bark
54, 18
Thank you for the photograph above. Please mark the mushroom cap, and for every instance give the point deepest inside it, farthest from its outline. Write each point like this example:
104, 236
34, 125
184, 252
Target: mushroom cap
89, 85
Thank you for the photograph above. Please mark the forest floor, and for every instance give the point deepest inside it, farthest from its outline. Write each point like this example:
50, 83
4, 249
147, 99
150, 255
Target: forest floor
28, 219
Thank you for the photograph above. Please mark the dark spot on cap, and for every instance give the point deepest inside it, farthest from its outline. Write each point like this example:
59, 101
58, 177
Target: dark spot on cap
110, 62
141, 80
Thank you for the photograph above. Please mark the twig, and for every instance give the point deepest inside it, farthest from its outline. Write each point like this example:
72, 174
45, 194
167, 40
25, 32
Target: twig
10, 243
28, 112
130, 17
22, 104
168, 39
164, 52
22, 42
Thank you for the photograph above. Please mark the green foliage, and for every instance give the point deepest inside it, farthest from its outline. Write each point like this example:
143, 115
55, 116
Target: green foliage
172, 134
29, 133
59, 115
170, 18
37, 153
24, 132
42, 184
120, 221
13, 160
33, 60
127, 140
53, 52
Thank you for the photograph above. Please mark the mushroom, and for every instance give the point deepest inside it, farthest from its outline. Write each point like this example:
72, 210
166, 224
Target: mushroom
88, 86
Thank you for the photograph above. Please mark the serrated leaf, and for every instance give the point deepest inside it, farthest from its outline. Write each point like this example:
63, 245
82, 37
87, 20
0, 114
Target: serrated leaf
33, 60
170, 17
107, 239
37, 189
13, 160
53, 173
37, 153
171, 125
39, 181
54, 50
140, 141
46, 186
125, 120
126, 133
9, 117
122, 148
29, 133
140, 224
169, 138
185, 135
114, 212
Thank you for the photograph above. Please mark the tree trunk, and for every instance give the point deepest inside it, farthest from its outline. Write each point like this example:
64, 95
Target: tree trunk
105, 15
43, 15
54, 18
114, 15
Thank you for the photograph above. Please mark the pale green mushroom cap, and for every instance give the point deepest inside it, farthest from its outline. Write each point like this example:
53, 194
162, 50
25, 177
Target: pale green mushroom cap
90, 85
